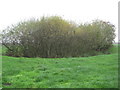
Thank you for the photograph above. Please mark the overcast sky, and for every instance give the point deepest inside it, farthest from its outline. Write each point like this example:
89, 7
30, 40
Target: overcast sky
80, 11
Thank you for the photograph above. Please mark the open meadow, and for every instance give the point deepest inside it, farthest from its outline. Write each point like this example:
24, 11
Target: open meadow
99, 71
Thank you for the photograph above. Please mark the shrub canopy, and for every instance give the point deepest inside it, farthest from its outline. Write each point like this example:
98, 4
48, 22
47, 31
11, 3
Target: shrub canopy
56, 37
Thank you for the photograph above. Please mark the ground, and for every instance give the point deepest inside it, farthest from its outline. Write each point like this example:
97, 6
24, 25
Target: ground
99, 71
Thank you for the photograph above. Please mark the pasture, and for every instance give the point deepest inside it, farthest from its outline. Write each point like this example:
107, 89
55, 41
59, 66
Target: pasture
99, 71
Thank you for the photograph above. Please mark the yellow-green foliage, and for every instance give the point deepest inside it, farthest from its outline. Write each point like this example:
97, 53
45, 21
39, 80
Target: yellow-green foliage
56, 37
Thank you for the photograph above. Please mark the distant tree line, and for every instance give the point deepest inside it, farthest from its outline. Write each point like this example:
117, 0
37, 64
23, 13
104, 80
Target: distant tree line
55, 37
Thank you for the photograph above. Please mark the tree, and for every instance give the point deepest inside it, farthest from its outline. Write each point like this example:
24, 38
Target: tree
56, 37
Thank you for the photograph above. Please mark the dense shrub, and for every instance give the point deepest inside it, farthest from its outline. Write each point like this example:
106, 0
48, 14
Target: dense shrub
56, 37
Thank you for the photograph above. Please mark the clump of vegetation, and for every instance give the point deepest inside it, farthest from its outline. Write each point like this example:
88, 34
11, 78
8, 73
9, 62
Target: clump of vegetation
56, 37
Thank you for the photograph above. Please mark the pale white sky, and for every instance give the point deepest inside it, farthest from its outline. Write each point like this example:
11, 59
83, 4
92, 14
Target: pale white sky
13, 11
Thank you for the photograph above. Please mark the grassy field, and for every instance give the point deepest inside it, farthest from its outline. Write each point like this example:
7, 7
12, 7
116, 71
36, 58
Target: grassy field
83, 72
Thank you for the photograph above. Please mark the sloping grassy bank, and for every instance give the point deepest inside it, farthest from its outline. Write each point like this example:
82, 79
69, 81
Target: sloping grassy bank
83, 72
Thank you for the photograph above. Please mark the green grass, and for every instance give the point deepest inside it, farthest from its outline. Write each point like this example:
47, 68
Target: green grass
83, 72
